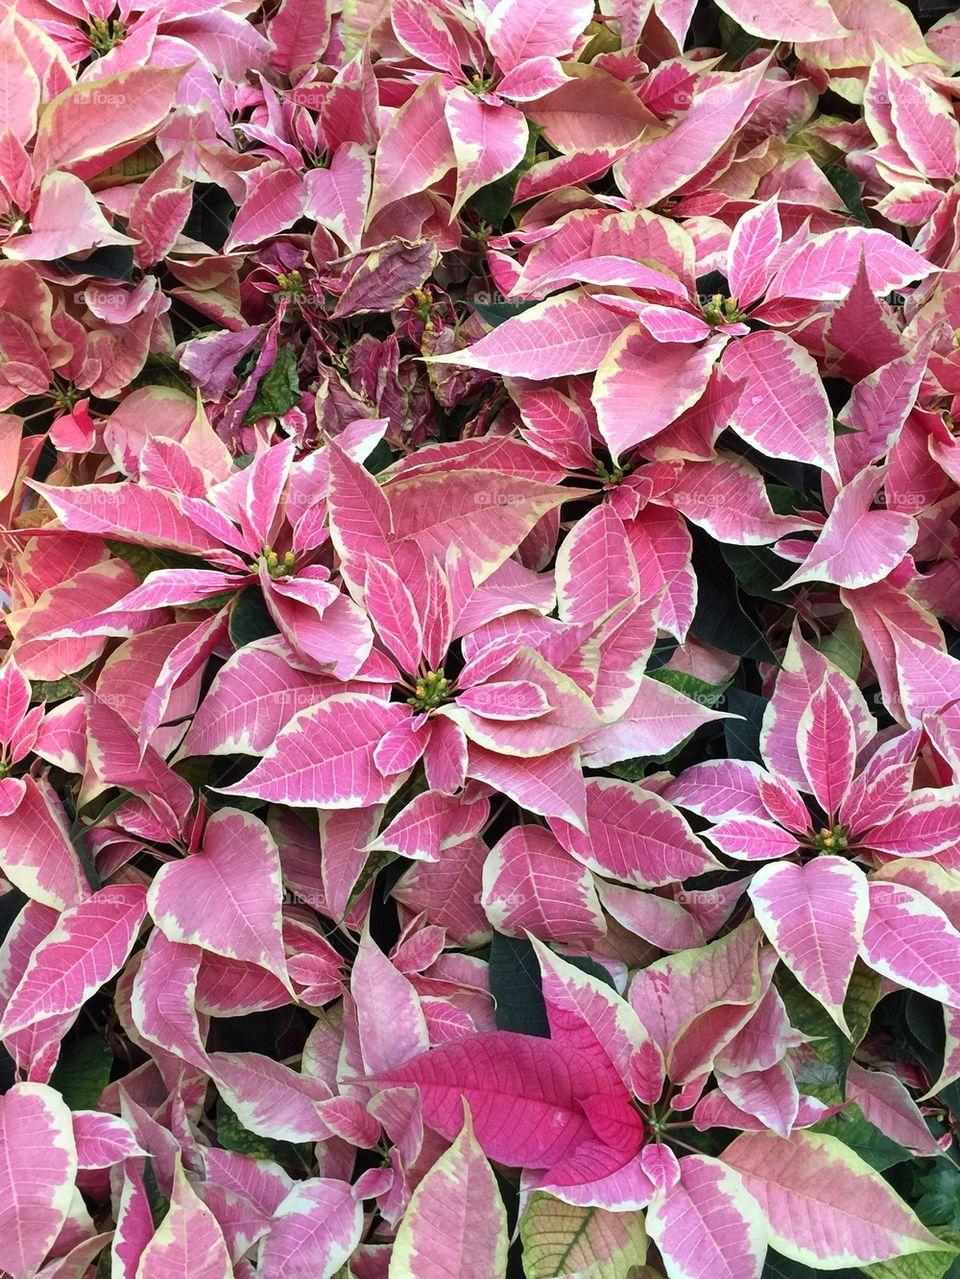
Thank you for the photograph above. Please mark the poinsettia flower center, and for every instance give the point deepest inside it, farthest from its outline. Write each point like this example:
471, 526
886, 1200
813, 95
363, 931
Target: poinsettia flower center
430, 691
65, 397
611, 474
291, 282
14, 221
105, 34
831, 839
276, 566
721, 310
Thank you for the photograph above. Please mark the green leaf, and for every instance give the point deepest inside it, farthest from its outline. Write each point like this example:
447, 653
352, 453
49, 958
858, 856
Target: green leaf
741, 737
784, 499
854, 1129
162, 370
698, 690
918, 1265
561, 1239
829, 1042
232, 1135
104, 1268
279, 388
111, 262
211, 215
630, 770
495, 313
494, 202
778, 1267
720, 619
737, 43
843, 646
847, 186
158, 1201
515, 986
380, 457
147, 559
592, 968
759, 570
249, 618
939, 1201
57, 690
83, 1071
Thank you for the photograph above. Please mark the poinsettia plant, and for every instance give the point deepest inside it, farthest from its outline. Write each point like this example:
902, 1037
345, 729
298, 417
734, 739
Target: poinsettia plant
480, 679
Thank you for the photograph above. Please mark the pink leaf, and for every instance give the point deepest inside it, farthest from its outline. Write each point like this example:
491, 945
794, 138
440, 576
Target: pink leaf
299, 31
858, 545
927, 822
659, 166
783, 409
752, 838
88, 946
926, 127
66, 220
636, 837
38, 1165
642, 385
911, 941
455, 1222
88, 119
36, 853
421, 29
753, 249
415, 149
314, 1231
569, 333
188, 1241
274, 202
718, 788
705, 1225
585, 1014
337, 197
726, 496
103, 1140
527, 1099
390, 1022
393, 613
255, 694
489, 140
145, 516
786, 19
826, 266
531, 883
519, 30
815, 916
599, 538
770, 1094
822, 1203
657, 720
827, 745
274, 1101
323, 758
887, 1104
225, 897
